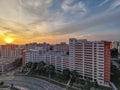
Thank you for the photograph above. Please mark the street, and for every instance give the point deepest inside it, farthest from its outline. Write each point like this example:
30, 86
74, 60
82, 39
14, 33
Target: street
30, 83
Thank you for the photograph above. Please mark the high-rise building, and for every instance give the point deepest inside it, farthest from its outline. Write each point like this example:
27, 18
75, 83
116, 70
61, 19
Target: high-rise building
8, 53
90, 59
30, 46
32, 55
62, 47
58, 59
115, 44
119, 49
45, 46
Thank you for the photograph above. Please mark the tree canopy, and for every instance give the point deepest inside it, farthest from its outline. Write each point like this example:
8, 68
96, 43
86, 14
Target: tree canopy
17, 62
114, 53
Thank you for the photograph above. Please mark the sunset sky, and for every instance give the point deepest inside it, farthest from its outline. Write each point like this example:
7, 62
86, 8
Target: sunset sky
54, 21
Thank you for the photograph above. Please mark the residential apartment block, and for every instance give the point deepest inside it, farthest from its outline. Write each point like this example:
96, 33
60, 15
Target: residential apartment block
115, 44
90, 59
8, 53
58, 59
62, 47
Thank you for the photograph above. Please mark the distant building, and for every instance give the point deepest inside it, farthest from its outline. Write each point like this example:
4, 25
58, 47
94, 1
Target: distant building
62, 47
30, 46
119, 49
115, 44
5, 65
8, 53
45, 46
59, 60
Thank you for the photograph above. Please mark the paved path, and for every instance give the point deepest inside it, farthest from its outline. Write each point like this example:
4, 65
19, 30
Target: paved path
31, 83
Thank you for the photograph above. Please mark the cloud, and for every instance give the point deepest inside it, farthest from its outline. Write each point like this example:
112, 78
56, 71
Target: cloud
10, 28
114, 5
22, 31
104, 2
25, 11
109, 37
37, 8
68, 6
37, 20
27, 19
94, 21
24, 15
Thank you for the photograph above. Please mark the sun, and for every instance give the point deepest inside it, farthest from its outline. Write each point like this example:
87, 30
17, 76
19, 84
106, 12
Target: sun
8, 40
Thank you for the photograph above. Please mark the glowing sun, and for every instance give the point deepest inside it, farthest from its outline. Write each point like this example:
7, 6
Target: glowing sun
9, 40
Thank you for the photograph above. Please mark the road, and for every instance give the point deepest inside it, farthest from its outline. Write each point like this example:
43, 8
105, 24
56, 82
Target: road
30, 83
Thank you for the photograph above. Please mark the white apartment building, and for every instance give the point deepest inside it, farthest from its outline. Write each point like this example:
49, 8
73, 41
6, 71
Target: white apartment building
90, 59
58, 59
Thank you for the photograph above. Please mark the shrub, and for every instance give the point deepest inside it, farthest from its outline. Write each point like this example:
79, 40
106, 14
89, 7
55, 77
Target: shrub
1, 83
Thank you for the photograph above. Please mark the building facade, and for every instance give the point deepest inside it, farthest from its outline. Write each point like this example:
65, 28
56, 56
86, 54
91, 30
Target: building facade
90, 59
62, 47
8, 53
58, 59
119, 49
115, 44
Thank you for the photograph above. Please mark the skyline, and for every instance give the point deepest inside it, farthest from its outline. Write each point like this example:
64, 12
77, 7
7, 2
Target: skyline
53, 21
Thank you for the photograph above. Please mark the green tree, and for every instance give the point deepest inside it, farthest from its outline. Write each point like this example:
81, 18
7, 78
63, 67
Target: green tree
113, 69
66, 73
86, 86
17, 62
96, 84
114, 53
50, 69
60, 76
34, 66
41, 67
74, 76
12, 86
1, 83
29, 64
